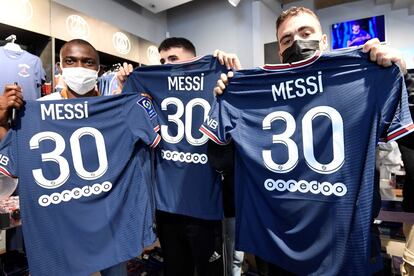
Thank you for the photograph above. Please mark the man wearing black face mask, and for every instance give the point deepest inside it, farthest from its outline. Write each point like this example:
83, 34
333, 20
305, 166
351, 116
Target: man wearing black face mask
299, 34
300, 49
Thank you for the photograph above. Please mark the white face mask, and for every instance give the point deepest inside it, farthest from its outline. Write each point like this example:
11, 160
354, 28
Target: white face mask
79, 79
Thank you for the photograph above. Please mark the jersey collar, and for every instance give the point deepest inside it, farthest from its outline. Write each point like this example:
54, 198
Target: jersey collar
65, 95
298, 64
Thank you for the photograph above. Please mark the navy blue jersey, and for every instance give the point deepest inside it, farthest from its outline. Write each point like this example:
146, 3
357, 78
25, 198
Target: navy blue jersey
182, 93
305, 137
83, 181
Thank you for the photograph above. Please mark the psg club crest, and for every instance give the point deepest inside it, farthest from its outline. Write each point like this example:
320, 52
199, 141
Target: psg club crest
23, 72
77, 27
121, 43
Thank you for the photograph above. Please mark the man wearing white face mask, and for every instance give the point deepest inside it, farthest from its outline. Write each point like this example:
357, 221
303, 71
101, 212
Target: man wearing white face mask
79, 64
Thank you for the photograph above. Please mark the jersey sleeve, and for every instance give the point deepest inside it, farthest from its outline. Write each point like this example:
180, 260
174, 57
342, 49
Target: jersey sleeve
132, 84
219, 123
142, 121
40, 73
400, 122
8, 165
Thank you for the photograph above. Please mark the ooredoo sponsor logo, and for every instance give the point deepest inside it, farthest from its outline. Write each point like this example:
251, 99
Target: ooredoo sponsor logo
76, 193
303, 186
184, 157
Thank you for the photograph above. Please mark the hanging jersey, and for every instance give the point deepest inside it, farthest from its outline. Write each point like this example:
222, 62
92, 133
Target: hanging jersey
83, 188
182, 92
108, 84
305, 137
25, 69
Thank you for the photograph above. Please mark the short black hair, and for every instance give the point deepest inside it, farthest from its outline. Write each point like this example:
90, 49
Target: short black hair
79, 41
178, 42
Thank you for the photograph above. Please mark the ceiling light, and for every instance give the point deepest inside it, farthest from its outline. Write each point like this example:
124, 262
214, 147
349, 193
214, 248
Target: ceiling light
234, 3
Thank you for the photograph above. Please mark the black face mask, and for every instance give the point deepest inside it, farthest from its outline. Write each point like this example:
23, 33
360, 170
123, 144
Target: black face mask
300, 50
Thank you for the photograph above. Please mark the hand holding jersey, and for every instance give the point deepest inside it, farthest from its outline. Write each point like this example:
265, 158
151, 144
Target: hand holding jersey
384, 55
11, 98
222, 83
122, 75
231, 61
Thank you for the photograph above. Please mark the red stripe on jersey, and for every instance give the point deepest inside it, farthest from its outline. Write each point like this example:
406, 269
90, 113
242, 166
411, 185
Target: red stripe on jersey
211, 135
5, 172
401, 132
293, 65
157, 128
156, 141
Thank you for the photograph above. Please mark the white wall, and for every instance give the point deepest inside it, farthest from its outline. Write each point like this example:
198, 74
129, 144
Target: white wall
264, 29
215, 24
125, 15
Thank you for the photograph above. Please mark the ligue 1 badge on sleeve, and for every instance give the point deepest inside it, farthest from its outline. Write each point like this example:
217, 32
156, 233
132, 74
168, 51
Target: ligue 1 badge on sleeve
146, 104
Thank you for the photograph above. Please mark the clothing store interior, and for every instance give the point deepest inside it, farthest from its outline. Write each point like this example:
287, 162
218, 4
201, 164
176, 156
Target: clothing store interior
204, 137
